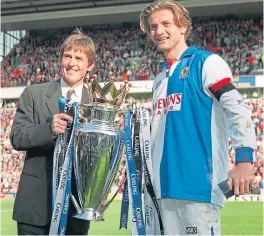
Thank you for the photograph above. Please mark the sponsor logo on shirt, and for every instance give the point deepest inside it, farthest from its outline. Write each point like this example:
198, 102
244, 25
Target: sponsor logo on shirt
170, 103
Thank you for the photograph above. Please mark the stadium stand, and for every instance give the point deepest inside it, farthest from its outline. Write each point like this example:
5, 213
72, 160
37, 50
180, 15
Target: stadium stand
126, 54
12, 161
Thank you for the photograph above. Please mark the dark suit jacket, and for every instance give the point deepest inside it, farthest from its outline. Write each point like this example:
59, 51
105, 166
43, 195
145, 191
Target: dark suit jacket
31, 132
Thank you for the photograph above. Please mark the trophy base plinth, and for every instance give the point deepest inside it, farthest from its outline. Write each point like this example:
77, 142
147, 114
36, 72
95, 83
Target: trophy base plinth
86, 214
99, 217
89, 214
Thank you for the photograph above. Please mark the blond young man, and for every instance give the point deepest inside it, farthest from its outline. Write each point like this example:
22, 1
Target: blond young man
35, 128
195, 109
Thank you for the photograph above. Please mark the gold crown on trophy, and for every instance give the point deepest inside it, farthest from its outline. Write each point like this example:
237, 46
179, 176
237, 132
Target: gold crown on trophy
108, 95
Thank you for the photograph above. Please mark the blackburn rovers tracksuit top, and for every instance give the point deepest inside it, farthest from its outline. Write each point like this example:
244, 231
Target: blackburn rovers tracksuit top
196, 108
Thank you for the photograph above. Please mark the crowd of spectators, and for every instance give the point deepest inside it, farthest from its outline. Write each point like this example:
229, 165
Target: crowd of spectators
127, 54
11, 161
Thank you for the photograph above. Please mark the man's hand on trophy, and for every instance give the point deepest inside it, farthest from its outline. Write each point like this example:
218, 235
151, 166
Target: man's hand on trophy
59, 123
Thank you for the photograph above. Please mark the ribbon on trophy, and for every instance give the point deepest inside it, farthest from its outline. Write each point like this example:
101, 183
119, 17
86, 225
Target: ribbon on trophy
150, 200
136, 146
137, 224
124, 207
62, 171
135, 128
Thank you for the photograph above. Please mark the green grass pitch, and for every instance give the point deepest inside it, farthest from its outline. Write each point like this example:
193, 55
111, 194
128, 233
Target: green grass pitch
237, 218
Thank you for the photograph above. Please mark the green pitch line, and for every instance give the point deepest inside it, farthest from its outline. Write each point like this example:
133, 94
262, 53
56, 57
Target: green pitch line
237, 218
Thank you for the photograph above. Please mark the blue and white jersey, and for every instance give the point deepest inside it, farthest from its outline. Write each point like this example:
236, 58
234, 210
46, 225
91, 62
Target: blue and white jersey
196, 108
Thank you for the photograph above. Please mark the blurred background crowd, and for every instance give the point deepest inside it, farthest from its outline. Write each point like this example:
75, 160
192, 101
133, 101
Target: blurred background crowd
126, 54
12, 161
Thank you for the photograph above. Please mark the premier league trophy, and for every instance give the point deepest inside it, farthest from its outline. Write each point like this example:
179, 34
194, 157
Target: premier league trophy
93, 147
98, 148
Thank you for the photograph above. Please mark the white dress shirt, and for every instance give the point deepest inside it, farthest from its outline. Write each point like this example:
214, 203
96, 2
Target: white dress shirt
76, 96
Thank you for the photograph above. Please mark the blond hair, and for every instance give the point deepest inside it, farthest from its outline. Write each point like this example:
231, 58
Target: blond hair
79, 41
181, 15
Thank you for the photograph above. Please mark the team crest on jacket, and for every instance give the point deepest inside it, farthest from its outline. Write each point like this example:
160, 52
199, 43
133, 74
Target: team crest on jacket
184, 72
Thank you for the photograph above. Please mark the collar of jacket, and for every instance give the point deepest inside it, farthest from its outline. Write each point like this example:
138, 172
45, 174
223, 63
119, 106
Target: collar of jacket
187, 53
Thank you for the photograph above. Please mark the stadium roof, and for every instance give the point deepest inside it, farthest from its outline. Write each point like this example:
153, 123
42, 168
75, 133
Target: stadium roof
39, 14
11, 7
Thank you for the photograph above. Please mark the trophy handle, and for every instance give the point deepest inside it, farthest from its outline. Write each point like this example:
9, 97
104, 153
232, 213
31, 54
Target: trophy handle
76, 205
104, 206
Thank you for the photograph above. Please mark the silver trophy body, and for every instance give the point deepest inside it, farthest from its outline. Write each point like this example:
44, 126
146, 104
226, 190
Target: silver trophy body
98, 152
